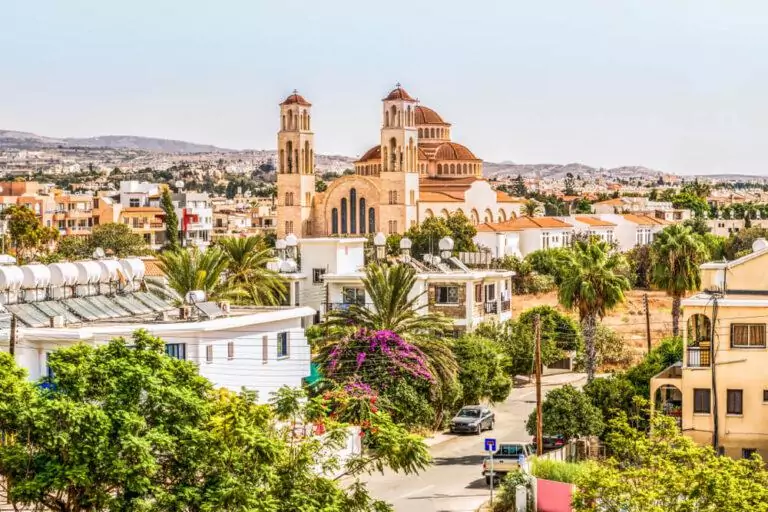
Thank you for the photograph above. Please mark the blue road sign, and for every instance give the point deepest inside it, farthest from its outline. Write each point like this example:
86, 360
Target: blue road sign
490, 444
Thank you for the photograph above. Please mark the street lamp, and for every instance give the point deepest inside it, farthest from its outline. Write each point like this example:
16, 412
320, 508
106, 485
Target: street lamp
405, 248
380, 242
446, 247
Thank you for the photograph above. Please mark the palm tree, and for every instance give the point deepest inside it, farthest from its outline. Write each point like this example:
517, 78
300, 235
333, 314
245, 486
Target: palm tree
592, 283
247, 269
391, 309
531, 208
676, 254
188, 270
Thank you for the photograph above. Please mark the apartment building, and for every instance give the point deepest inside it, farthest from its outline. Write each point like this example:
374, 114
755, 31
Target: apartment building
332, 272
195, 214
523, 235
725, 333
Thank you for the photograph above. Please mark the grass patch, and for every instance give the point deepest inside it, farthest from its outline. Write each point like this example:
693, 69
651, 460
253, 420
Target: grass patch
557, 470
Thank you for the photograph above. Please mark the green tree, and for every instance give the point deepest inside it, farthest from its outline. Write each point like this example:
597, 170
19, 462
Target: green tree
532, 208
481, 370
171, 220
583, 206
247, 270
518, 187
568, 184
676, 255
613, 395
117, 240
192, 269
321, 186
426, 236
667, 472
568, 412
640, 266
692, 202
74, 248
593, 283
556, 329
28, 235
549, 261
739, 243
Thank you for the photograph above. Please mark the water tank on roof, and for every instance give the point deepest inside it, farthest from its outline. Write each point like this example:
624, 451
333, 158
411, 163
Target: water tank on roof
109, 270
133, 268
63, 274
88, 272
35, 276
759, 244
11, 277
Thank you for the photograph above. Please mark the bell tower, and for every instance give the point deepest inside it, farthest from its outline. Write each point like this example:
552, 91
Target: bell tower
399, 162
295, 167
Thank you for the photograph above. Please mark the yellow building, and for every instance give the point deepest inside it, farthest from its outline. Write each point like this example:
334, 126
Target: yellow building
725, 330
414, 172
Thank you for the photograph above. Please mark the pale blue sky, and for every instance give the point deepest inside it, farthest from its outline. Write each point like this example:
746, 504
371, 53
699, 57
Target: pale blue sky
676, 85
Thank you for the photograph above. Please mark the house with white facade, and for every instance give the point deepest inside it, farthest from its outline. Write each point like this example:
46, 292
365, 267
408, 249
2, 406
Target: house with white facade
523, 235
634, 230
195, 214
593, 226
332, 272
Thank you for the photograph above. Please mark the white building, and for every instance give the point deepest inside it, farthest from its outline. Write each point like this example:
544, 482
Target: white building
523, 235
634, 230
332, 270
195, 215
255, 350
135, 194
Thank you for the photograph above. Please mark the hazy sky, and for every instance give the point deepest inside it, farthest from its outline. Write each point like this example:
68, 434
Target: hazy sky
676, 85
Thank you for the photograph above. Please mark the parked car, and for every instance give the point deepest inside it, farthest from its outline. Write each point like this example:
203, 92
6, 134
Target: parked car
473, 419
506, 458
551, 442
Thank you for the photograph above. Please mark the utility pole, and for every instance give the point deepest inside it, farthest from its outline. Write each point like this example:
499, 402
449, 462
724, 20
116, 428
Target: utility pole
712, 352
537, 362
12, 337
647, 322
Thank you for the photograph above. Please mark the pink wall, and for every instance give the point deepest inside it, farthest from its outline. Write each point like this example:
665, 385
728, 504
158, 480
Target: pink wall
553, 496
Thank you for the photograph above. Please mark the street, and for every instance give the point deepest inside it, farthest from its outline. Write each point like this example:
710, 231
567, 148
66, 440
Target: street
454, 482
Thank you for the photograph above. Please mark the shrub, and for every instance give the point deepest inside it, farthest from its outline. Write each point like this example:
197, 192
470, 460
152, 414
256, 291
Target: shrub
557, 470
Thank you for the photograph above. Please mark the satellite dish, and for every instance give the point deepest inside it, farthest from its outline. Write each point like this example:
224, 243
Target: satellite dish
98, 253
179, 184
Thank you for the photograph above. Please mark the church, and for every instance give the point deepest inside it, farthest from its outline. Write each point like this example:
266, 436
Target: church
414, 172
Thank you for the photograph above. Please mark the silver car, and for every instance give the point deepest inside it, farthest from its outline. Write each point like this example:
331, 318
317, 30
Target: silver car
473, 419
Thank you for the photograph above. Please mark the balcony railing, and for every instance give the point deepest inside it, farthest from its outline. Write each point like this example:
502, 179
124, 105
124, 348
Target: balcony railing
698, 357
343, 306
506, 305
491, 308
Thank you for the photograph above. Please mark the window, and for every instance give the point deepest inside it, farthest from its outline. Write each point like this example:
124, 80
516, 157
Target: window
701, 401
134, 202
748, 335
264, 349
490, 292
282, 345
735, 400
176, 350
317, 275
288, 227
447, 294
412, 197
545, 240
393, 197
747, 453
209, 353
353, 295
478, 293
231, 350
392, 227
765, 395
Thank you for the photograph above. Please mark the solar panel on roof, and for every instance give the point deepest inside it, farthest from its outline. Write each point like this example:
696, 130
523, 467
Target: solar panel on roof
100, 313
78, 309
32, 318
209, 309
132, 305
58, 309
99, 306
154, 302
110, 305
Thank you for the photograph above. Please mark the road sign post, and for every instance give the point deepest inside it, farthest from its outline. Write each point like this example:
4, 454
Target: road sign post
490, 447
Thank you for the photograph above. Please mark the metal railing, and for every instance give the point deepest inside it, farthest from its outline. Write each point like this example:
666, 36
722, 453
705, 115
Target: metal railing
491, 308
698, 357
342, 306
506, 305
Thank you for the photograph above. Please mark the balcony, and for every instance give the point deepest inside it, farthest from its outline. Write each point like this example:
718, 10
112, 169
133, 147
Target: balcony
506, 305
491, 308
698, 357
343, 306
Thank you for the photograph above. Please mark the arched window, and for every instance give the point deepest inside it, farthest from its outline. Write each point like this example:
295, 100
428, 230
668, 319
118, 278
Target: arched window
474, 217
386, 119
307, 158
421, 133
465, 168
282, 160
439, 168
335, 221
290, 120
412, 197
444, 213
428, 214
502, 215
289, 152
371, 220
344, 216
453, 168
408, 116
393, 115
431, 133
282, 124
309, 122
289, 199
362, 215
300, 163
307, 199
488, 216
353, 211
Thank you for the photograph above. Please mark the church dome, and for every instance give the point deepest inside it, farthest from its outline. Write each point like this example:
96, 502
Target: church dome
425, 115
296, 99
372, 154
454, 151
398, 93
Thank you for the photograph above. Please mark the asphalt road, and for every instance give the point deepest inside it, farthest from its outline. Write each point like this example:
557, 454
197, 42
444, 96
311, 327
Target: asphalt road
454, 482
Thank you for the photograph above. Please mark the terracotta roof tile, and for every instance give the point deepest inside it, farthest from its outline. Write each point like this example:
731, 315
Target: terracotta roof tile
441, 197
503, 197
296, 99
454, 151
521, 223
398, 93
594, 221
644, 220
425, 115
611, 202
152, 268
